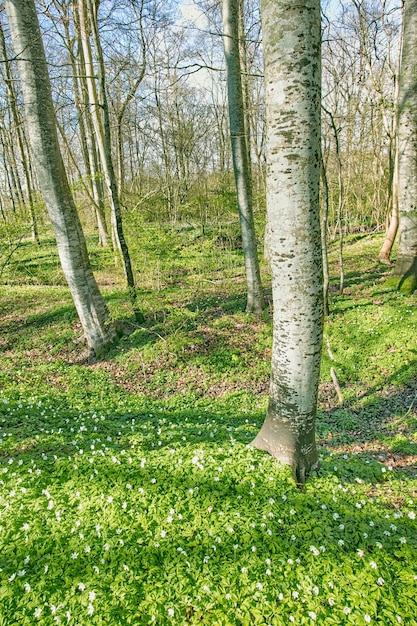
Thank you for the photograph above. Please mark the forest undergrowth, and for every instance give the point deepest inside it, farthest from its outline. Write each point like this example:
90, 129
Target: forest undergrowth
129, 493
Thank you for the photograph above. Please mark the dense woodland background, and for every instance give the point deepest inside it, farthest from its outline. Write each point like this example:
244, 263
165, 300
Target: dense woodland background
165, 88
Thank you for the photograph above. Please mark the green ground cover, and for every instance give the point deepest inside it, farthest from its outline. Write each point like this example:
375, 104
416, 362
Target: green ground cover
129, 493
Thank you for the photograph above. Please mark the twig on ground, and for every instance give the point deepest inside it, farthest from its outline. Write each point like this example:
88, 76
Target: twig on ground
333, 375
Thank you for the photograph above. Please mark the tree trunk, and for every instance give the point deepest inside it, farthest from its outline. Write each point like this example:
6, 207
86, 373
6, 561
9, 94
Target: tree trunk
88, 141
7, 170
41, 124
255, 300
291, 35
89, 151
128, 98
11, 93
341, 197
404, 276
391, 232
324, 219
103, 138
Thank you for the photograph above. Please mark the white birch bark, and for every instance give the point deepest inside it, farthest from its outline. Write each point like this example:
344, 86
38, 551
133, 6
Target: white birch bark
291, 36
41, 125
241, 168
405, 271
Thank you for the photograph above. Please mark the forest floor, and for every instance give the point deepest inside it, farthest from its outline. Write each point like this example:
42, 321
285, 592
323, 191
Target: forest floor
129, 493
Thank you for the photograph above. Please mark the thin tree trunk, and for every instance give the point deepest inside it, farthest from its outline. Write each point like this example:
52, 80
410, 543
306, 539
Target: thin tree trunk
255, 299
391, 232
324, 217
341, 198
3, 214
41, 124
165, 155
103, 138
243, 55
11, 93
9, 145
291, 35
129, 97
87, 135
7, 170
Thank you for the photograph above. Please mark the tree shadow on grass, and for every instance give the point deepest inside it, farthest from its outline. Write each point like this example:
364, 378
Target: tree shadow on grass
161, 325
50, 423
380, 424
199, 547
366, 278
23, 331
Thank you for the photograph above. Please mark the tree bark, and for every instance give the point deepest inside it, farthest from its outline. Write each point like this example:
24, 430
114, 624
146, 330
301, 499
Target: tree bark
324, 220
391, 232
88, 146
392, 229
291, 35
41, 124
255, 300
11, 93
404, 276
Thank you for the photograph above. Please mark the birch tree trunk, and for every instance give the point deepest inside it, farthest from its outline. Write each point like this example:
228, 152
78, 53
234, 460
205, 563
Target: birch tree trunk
88, 146
255, 301
24, 158
323, 228
392, 225
391, 232
291, 36
41, 124
404, 277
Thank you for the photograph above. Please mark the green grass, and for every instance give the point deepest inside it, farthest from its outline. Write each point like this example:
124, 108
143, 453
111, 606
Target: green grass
129, 493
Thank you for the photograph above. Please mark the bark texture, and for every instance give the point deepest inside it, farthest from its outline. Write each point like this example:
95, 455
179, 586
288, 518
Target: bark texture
404, 277
41, 125
239, 143
291, 35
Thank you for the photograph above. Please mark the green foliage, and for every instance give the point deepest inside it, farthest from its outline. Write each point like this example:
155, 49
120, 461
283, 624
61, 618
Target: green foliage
129, 493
